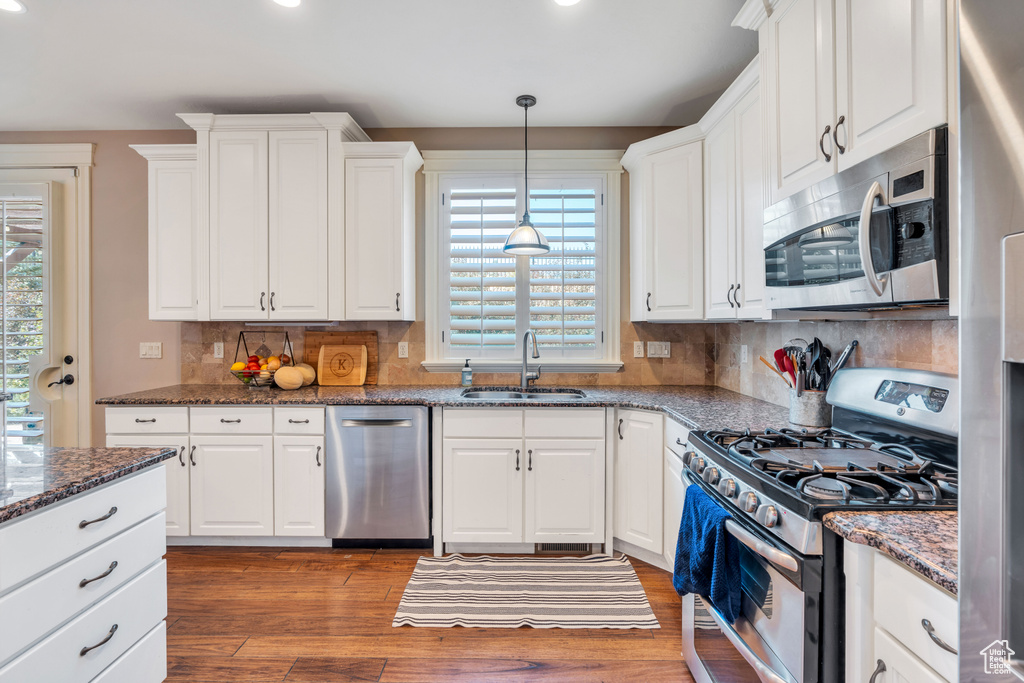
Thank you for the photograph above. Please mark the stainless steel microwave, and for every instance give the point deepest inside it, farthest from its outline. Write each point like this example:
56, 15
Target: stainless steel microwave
873, 236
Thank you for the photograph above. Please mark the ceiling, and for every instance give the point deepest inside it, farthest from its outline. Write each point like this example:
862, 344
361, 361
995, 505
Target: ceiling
133, 64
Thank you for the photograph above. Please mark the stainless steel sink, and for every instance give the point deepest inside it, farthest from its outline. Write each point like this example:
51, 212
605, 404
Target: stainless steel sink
499, 395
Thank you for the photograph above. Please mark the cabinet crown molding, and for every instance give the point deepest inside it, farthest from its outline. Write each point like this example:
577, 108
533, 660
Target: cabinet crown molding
659, 143
167, 152
406, 151
754, 13
744, 83
351, 131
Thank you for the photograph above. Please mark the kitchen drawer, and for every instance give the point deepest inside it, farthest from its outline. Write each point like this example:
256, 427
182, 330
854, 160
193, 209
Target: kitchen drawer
144, 662
33, 544
136, 609
569, 423
483, 423
901, 666
147, 420
232, 420
53, 598
676, 436
918, 599
299, 421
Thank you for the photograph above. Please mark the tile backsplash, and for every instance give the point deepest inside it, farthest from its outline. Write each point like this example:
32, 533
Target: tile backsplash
701, 353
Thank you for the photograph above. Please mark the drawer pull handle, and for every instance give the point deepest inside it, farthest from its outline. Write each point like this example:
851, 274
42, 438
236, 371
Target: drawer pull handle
140, 421
181, 456
84, 523
228, 422
298, 422
318, 456
927, 626
879, 670
192, 456
110, 634
85, 582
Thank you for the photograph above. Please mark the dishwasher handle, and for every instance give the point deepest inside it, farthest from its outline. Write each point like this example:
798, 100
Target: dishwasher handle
376, 422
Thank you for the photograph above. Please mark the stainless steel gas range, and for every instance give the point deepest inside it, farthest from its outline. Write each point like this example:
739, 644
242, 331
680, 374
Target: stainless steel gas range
893, 446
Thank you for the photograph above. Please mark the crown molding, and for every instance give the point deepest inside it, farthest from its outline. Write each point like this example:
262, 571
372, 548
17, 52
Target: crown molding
744, 83
167, 152
754, 13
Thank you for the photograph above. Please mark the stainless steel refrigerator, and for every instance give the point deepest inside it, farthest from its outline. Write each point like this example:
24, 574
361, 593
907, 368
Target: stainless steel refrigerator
992, 340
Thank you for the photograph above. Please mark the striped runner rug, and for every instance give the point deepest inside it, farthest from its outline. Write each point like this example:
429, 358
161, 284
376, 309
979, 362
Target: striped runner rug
596, 591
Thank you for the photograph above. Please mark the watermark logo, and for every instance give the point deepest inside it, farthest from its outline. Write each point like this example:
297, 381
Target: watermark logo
997, 656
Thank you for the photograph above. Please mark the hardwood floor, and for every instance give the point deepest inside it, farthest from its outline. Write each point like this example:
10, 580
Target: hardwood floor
312, 615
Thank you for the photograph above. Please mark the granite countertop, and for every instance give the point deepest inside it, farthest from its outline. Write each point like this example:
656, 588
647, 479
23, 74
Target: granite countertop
32, 478
923, 541
695, 406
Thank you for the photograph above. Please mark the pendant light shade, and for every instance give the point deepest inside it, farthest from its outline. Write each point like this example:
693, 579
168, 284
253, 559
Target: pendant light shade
526, 240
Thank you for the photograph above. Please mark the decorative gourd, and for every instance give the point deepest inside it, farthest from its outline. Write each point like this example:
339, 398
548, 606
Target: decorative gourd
308, 373
288, 377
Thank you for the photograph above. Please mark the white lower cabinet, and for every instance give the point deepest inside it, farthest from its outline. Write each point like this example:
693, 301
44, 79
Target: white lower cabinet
639, 479
298, 486
178, 474
899, 663
232, 485
564, 491
482, 490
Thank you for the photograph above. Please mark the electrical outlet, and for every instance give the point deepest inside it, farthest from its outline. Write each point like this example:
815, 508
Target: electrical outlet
658, 349
151, 350
638, 349
744, 354
403, 349
218, 349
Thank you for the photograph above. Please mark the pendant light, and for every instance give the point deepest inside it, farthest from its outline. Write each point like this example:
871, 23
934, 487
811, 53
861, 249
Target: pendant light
526, 240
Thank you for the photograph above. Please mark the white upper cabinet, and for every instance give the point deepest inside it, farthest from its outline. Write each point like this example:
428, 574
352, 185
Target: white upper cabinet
720, 217
667, 227
750, 203
173, 225
380, 226
890, 73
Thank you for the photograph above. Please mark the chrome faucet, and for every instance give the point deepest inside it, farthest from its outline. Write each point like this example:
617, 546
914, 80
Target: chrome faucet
527, 377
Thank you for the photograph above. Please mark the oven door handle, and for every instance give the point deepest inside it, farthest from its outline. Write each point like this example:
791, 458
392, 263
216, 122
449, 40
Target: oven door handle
864, 239
760, 547
764, 672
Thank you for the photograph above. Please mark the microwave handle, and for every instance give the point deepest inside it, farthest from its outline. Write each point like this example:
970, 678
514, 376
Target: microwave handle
764, 672
864, 238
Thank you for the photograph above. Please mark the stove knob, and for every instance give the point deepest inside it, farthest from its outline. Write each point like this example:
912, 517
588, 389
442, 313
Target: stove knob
750, 501
711, 475
767, 515
698, 464
727, 487
687, 457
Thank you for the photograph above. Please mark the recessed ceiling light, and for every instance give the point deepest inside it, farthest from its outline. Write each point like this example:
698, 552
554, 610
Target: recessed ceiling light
12, 6
566, 3
283, 3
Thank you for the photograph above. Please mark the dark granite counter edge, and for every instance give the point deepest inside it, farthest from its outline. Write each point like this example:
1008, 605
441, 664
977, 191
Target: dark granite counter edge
885, 544
42, 500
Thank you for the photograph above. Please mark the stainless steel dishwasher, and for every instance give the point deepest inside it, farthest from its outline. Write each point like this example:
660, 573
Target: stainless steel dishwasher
378, 475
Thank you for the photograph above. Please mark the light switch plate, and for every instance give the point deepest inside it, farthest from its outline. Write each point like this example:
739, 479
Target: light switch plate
218, 349
658, 349
403, 349
638, 349
151, 350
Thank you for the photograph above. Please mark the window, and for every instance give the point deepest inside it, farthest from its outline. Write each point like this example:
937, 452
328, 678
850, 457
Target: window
486, 300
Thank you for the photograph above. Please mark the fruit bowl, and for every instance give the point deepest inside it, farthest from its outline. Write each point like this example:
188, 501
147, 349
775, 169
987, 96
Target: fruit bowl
256, 368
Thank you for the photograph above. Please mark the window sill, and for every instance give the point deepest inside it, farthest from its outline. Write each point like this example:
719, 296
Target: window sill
516, 366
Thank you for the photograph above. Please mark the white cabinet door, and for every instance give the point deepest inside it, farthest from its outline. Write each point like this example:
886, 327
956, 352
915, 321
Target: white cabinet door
675, 494
232, 485
720, 213
482, 490
749, 250
238, 225
674, 225
178, 489
298, 225
800, 77
638, 479
173, 218
890, 73
375, 241
901, 666
564, 491
298, 486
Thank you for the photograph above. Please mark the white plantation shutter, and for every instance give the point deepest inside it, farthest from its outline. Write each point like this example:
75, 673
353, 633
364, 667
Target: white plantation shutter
489, 299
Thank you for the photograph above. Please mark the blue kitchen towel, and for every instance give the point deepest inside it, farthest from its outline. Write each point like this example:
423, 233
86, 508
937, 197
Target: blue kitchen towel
707, 556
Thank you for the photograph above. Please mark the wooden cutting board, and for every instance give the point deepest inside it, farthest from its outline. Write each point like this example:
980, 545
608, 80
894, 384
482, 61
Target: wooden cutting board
314, 340
341, 365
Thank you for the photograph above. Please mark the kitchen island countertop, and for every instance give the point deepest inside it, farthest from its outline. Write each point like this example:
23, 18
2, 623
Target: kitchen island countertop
923, 541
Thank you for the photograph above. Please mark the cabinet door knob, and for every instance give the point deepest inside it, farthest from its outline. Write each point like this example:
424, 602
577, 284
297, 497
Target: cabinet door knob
736, 295
648, 302
262, 296
192, 456
517, 460
181, 456
620, 430
318, 456
879, 670
835, 134
272, 301
821, 143
529, 467
397, 294
728, 296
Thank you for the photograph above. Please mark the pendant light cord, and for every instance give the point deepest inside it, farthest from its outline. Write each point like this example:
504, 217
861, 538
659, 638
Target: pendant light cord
526, 155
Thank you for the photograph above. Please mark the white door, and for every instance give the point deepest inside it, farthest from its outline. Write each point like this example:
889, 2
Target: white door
801, 95
173, 217
238, 226
750, 192
720, 217
482, 490
232, 481
564, 491
374, 240
890, 73
39, 312
638, 479
674, 215
177, 469
298, 485
298, 225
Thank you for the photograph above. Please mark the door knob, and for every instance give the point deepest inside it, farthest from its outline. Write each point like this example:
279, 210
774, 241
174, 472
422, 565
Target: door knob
68, 379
